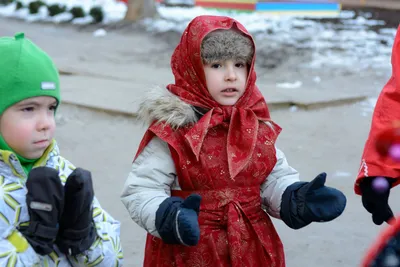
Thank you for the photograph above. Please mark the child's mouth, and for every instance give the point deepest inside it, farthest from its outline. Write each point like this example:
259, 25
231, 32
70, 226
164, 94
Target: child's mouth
229, 90
41, 143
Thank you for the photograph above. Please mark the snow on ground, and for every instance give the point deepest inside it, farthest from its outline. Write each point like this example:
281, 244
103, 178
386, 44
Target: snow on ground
347, 41
113, 10
350, 41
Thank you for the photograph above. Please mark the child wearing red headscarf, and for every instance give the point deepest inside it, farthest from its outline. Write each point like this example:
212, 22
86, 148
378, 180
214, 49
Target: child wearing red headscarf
207, 174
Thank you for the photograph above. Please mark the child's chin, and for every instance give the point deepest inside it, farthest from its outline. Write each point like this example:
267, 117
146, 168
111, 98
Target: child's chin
227, 102
34, 155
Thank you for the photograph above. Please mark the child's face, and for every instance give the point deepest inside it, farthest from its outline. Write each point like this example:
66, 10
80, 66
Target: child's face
226, 81
28, 126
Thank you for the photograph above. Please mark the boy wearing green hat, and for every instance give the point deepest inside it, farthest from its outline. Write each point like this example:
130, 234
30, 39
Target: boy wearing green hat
48, 213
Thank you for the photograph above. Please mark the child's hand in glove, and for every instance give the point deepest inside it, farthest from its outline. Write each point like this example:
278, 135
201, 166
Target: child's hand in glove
306, 202
77, 232
375, 201
45, 202
177, 220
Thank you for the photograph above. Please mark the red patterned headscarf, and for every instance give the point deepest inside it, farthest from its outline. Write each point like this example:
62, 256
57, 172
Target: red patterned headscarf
190, 86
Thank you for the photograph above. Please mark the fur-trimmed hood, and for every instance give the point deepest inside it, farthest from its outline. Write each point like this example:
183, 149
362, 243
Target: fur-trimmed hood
161, 105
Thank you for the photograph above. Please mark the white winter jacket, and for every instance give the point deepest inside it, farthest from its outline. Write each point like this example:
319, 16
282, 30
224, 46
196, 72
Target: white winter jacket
15, 250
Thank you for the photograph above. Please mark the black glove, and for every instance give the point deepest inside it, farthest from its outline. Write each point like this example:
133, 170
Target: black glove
77, 232
307, 202
376, 202
45, 202
177, 220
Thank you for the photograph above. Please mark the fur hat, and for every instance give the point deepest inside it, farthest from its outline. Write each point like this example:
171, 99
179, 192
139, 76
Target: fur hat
226, 44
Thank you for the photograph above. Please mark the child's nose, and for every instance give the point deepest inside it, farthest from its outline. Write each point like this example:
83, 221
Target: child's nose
45, 121
230, 74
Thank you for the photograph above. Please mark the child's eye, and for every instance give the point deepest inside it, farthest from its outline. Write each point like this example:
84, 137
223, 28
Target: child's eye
239, 65
28, 109
53, 107
215, 65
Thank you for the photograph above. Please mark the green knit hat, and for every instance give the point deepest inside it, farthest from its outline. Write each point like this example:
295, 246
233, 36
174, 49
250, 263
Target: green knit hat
25, 71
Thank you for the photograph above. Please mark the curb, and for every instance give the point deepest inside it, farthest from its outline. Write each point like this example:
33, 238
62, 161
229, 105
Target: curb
272, 106
109, 111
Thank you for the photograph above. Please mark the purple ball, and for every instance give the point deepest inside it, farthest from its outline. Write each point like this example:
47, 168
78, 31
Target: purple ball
394, 152
380, 184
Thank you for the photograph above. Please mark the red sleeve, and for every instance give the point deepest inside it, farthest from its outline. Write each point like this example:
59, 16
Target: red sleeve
386, 116
383, 239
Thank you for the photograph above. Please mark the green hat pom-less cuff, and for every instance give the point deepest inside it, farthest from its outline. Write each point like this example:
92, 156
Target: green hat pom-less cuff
26, 71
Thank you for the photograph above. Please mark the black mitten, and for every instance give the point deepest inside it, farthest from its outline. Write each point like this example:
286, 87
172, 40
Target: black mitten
177, 220
307, 202
45, 202
376, 201
77, 232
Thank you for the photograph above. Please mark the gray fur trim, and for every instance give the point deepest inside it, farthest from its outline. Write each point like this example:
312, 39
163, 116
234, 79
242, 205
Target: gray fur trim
162, 106
226, 44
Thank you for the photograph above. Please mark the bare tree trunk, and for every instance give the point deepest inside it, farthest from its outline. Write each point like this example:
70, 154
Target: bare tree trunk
150, 9
138, 9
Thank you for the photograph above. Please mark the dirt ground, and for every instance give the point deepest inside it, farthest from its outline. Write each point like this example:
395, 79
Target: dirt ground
330, 139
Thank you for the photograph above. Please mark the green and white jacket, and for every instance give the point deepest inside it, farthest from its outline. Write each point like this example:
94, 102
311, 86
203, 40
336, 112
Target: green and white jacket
15, 250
